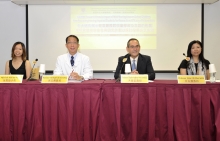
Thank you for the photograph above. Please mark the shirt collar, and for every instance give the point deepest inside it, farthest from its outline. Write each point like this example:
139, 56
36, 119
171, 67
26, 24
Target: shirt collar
72, 55
134, 58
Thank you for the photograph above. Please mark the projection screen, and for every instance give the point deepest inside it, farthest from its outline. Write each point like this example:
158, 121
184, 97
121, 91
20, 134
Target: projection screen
163, 30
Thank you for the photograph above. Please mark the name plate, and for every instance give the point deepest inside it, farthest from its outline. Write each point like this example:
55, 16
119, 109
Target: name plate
11, 78
191, 79
54, 79
134, 78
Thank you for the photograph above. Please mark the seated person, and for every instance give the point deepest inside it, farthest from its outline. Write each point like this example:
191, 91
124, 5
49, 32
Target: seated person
141, 64
195, 63
18, 64
73, 63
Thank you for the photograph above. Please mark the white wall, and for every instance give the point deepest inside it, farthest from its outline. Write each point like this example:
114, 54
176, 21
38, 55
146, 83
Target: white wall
12, 29
212, 34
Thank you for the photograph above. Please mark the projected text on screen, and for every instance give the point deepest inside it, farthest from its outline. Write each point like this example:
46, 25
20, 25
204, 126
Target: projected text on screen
109, 24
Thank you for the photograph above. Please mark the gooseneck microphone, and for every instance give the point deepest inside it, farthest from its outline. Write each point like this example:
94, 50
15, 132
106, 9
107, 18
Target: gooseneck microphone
34, 62
188, 63
124, 60
187, 58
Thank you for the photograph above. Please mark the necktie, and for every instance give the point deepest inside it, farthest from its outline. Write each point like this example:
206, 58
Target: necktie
133, 66
72, 61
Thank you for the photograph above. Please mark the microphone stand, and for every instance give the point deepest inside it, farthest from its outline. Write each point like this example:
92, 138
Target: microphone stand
119, 76
189, 65
30, 78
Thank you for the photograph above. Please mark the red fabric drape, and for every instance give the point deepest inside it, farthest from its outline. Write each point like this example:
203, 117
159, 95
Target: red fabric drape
67, 112
107, 111
160, 112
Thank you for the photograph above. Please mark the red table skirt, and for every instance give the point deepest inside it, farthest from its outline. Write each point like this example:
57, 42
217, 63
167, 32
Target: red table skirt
108, 111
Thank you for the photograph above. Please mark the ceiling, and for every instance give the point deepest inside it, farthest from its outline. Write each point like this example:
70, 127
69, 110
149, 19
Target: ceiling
21, 2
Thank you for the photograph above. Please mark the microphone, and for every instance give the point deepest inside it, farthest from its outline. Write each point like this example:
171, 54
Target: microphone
30, 78
124, 60
187, 58
188, 64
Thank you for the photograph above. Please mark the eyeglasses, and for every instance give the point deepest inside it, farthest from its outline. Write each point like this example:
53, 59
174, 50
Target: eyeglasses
72, 43
134, 47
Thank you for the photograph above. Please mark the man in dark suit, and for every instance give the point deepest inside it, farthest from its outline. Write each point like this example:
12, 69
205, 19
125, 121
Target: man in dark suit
140, 64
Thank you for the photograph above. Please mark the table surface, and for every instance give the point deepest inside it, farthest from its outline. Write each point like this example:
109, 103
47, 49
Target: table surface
114, 81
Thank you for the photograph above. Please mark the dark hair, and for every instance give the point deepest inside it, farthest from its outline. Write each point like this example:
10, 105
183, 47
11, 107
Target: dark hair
131, 40
74, 36
201, 57
23, 49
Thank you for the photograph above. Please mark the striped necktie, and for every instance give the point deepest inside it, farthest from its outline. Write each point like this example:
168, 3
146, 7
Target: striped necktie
72, 61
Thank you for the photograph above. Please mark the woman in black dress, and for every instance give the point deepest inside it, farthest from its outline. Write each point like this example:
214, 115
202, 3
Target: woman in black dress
18, 64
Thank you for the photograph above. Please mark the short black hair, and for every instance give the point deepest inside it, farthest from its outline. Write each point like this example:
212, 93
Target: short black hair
74, 36
131, 40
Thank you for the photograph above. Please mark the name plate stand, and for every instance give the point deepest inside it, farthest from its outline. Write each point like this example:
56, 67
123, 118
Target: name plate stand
54, 79
11, 78
191, 79
134, 78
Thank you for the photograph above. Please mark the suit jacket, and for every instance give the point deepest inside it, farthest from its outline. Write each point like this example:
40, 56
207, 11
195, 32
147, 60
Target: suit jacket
81, 65
144, 66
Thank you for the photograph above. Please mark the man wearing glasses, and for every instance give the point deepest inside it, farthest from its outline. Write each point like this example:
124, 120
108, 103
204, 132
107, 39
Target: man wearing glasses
74, 64
140, 64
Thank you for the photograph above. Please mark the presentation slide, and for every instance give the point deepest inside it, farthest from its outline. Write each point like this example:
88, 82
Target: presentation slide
114, 24
163, 30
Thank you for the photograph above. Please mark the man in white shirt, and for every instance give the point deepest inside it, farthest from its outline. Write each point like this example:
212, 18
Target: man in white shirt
73, 63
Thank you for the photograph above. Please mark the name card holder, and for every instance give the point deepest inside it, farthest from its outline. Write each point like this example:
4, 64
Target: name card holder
11, 78
134, 78
54, 79
191, 79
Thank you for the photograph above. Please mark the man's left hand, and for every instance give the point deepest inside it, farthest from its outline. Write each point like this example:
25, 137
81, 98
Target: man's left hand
134, 72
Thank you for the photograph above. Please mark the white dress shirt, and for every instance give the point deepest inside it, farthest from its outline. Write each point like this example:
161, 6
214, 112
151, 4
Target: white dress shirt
81, 65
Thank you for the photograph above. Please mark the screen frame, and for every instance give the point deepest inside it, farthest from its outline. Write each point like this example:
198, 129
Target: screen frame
112, 71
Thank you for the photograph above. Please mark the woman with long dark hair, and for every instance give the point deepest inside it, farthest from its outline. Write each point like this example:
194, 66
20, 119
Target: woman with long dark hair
18, 64
195, 63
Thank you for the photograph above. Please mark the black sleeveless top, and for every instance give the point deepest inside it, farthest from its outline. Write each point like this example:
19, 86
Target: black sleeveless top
20, 70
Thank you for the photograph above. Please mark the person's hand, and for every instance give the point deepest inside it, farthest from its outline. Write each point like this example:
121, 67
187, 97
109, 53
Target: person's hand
75, 76
134, 72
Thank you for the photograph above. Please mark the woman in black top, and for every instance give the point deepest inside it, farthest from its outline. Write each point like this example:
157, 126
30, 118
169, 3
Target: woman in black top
18, 64
195, 63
